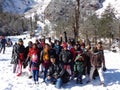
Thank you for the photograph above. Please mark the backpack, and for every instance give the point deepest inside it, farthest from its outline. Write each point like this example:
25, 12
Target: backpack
78, 66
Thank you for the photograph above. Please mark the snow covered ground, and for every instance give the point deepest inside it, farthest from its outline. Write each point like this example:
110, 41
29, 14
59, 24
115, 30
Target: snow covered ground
10, 81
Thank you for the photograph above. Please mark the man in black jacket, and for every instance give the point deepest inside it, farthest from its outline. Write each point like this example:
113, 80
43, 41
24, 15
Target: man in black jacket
18, 54
56, 73
66, 58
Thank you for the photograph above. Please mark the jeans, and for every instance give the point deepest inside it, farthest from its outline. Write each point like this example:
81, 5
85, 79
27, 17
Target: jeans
45, 73
2, 48
35, 75
58, 82
14, 67
79, 76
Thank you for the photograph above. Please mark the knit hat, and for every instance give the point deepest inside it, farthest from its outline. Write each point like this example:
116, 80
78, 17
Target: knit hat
20, 40
64, 45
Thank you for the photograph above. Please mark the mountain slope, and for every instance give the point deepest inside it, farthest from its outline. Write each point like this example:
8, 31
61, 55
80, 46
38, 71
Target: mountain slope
64, 9
19, 6
114, 3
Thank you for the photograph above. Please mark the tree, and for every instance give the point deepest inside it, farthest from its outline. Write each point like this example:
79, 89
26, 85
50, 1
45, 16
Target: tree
77, 18
95, 26
12, 24
107, 24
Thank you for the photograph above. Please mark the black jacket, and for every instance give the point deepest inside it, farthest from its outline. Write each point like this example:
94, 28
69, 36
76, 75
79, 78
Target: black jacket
3, 42
65, 57
17, 49
56, 70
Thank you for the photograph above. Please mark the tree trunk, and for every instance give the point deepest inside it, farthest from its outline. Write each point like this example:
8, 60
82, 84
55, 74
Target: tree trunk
110, 43
77, 16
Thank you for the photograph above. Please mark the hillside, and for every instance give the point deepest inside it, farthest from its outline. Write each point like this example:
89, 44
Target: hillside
114, 3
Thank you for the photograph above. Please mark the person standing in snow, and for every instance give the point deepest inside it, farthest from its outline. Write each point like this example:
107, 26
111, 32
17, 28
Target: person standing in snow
3, 43
58, 49
14, 60
97, 62
20, 52
34, 54
45, 59
27, 58
78, 68
66, 58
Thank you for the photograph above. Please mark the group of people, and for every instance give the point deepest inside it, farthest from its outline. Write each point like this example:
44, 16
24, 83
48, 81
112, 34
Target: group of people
59, 61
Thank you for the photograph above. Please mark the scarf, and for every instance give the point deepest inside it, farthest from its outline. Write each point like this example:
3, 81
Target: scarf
45, 55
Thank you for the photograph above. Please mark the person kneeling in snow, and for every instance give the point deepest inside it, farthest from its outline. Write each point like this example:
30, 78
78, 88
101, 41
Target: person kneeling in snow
34, 54
78, 68
56, 73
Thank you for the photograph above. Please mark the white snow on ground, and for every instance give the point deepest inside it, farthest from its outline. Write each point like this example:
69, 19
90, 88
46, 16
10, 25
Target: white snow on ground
10, 81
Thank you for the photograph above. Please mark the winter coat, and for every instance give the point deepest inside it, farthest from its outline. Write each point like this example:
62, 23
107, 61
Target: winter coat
40, 47
27, 58
58, 49
65, 57
57, 71
14, 55
52, 52
45, 58
97, 59
73, 52
34, 54
87, 63
26, 51
18, 53
79, 63
3, 42
78, 66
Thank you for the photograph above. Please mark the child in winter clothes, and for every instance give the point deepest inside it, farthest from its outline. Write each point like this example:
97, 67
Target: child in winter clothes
34, 54
78, 68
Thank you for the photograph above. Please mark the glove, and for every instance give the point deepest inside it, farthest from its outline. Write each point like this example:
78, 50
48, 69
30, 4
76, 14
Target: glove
104, 69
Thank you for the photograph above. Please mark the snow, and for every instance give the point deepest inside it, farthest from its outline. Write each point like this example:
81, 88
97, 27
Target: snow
19, 6
114, 3
10, 81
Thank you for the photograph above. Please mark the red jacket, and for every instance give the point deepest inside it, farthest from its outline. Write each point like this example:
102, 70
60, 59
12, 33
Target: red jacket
34, 54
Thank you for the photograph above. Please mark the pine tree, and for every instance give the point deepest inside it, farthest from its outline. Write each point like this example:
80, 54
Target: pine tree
107, 20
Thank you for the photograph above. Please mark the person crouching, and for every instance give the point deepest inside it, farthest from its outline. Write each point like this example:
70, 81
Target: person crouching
55, 73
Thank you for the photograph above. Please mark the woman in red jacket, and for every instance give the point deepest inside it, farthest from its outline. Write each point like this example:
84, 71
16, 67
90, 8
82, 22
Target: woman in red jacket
34, 54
